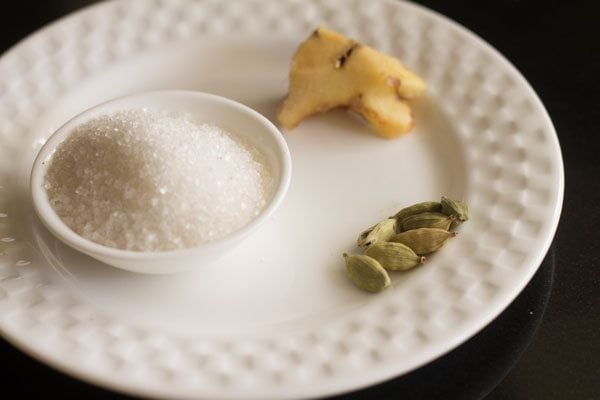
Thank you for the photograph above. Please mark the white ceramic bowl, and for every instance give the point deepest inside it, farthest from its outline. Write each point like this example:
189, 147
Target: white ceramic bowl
228, 114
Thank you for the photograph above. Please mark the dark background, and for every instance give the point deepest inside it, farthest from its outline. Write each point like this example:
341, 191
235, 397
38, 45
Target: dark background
546, 345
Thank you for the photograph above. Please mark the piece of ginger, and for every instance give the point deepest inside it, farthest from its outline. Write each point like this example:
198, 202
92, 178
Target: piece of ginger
330, 70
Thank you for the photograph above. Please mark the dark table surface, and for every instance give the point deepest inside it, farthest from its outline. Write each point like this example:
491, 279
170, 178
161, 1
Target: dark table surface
546, 344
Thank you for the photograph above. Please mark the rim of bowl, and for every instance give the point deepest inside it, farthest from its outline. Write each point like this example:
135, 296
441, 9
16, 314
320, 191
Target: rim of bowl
54, 223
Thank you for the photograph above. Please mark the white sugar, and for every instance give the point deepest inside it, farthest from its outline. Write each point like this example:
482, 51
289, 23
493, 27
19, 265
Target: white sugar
145, 180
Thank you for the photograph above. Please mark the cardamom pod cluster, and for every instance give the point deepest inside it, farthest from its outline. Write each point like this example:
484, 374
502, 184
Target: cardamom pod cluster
402, 241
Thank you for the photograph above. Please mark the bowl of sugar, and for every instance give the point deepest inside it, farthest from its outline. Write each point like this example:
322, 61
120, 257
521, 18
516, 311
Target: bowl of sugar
162, 181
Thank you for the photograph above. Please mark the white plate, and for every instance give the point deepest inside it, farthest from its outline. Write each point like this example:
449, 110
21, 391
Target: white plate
277, 318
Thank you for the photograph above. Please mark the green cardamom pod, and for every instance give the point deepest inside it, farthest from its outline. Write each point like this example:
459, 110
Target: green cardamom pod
427, 219
424, 240
394, 256
380, 232
366, 273
425, 206
456, 208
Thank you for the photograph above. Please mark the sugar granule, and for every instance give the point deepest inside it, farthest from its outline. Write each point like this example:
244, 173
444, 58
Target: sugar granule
147, 180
